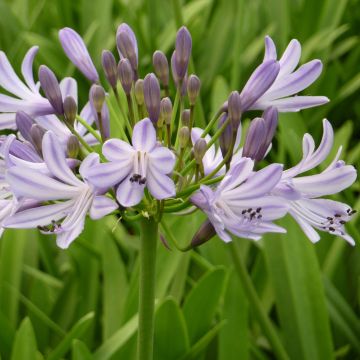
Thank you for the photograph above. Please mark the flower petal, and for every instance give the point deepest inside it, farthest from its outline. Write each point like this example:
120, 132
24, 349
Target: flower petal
270, 49
129, 193
162, 160
68, 87
160, 185
144, 136
7, 121
27, 68
65, 238
290, 58
102, 206
117, 150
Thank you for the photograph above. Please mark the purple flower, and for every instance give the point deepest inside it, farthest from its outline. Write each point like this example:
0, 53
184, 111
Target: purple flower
65, 218
282, 93
76, 51
144, 164
24, 96
241, 204
304, 193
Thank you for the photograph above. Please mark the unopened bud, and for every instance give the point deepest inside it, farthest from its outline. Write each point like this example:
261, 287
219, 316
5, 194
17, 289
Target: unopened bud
139, 91
255, 138
200, 148
204, 234
37, 134
193, 88
185, 117
97, 97
182, 51
152, 97
70, 109
270, 116
110, 69
166, 110
234, 109
127, 45
73, 147
226, 135
126, 75
51, 88
161, 67
24, 122
184, 137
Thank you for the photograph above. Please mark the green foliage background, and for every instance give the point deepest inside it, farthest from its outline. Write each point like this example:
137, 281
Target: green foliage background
82, 303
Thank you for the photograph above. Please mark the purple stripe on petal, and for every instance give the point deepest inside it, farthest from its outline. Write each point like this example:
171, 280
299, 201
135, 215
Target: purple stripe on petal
144, 136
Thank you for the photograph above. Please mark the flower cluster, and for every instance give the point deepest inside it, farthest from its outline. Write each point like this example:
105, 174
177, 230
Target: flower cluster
61, 165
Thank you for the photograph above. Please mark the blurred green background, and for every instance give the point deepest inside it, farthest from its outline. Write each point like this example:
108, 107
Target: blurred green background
82, 303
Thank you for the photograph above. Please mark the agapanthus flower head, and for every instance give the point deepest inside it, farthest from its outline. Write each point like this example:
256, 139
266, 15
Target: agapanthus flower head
76, 51
127, 45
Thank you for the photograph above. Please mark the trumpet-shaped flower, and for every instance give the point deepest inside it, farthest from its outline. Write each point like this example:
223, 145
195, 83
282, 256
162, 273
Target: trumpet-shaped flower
134, 167
304, 193
241, 204
74, 197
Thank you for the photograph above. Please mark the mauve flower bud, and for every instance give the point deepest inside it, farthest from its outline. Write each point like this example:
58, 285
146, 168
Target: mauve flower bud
70, 109
51, 88
184, 136
126, 75
255, 138
139, 91
166, 110
182, 51
185, 117
161, 67
37, 134
226, 135
73, 147
127, 45
24, 122
152, 96
193, 88
204, 234
97, 97
234, 109
200, 148
174, 70
270, 116
110, 69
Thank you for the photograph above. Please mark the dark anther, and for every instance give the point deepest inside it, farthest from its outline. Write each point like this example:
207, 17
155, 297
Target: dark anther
259, 216
331, 228
244, 212
258, 209
329, 218
337, 215
342, 222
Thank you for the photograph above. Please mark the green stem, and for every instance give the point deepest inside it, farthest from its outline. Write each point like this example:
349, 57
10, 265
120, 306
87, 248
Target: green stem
148, 242
89, 128
254, 300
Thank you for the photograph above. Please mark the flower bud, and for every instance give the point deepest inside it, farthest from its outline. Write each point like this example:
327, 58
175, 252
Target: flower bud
193, 88
185, 117
110, 69
255, 138
161, 67
24, 122
126, 75
166, 110
127, 45
182, 51
152, 97
200, 148
97, 97
73, 147
184, 136
204, 234
234, 109
139, 91
226, 135
37, 134
70, 109
51, 88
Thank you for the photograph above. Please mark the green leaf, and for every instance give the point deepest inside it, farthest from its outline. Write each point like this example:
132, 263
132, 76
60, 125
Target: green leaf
170, 320
80, 351
202, 302
25, 343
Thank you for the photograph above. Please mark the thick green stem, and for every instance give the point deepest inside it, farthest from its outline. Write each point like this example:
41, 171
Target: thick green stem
255, 302
148, 239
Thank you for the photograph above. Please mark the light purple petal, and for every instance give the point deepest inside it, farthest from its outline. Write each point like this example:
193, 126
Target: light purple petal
35, 106
161, 160
290, 58
160, 185
27, 68
270, 49
68, 87
90, 161
102, 206
77, 52
118, 150
308, 230
144, 136
129, 193
65, 238
202, 197
7, 121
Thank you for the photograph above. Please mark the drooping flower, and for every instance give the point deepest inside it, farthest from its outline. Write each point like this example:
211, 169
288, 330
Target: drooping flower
282, 92
304, 193
241, 204
74, 197
134, 167
23, 96
76, 51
